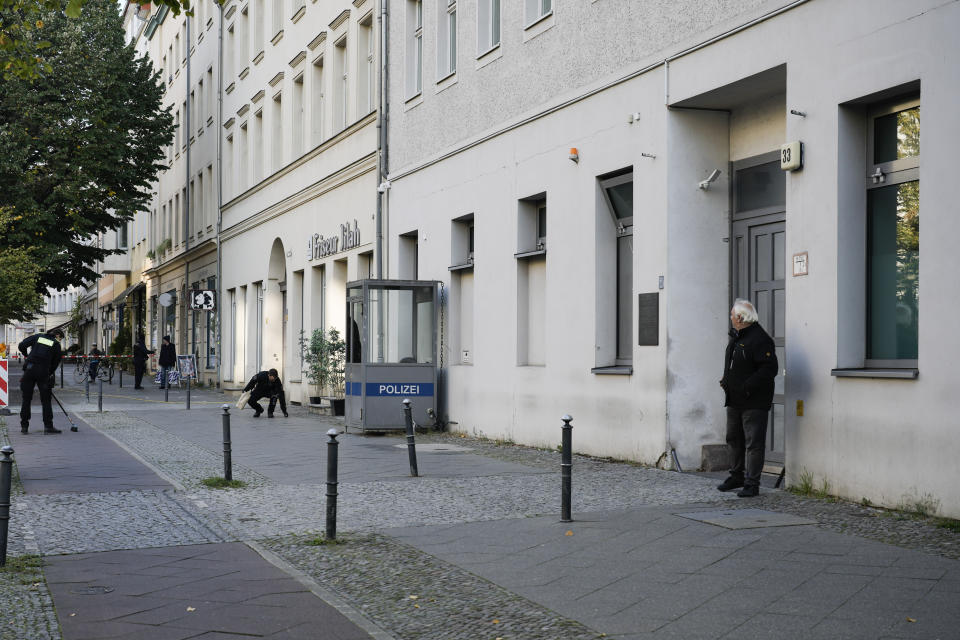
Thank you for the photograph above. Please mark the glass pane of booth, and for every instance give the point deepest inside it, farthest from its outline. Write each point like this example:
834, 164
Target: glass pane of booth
400, 325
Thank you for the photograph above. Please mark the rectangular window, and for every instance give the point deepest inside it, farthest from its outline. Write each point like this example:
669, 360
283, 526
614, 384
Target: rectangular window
259, 18
277, 18
893, 235
228, 169
212, 328
615, 270
276, 134
531, 280
340, 83
537, 9
316, 101
414, 47
200, 214
366, 75
211, 93
257, 151
446, 38
488, 25
296, 131
122, 236
228, 54
243, 159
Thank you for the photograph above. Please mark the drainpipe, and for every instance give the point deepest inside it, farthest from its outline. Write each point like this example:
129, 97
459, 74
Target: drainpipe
219, 196
186, 201
382, 121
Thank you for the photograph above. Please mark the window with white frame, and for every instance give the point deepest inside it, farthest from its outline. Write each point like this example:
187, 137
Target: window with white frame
316, 100
259, 18
893, 234
297, 112
243, 158
488, 25
277, 18
446, 38
414, 47
276, 134
228, 53
257, 152
210, 108
366, 75
340, 83
536, 9
228, 169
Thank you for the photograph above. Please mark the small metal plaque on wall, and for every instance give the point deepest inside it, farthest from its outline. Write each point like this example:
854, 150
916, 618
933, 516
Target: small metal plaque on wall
648, 319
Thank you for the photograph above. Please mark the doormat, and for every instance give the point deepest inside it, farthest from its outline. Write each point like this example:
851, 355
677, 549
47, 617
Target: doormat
746, 518
437, 447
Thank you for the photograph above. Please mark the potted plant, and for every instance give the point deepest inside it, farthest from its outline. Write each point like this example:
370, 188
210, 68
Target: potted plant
324, 356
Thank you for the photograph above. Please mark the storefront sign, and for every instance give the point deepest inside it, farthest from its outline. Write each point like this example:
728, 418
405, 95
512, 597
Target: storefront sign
321, 247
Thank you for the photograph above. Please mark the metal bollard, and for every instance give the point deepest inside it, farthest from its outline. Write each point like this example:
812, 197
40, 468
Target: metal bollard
100, 397
566, 469
227, 455
6, 470
411, 445
121, 377
61, 376
188, 393
86, 386
332, 485
166, 386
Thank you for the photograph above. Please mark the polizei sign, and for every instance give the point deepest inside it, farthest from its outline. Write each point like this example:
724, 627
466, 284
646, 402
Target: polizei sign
320, 247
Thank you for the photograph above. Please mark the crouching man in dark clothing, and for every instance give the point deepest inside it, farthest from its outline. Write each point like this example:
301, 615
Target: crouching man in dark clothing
266, 384
749, 369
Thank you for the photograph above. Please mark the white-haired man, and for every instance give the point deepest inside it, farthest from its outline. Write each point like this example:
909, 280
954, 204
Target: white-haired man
749, 367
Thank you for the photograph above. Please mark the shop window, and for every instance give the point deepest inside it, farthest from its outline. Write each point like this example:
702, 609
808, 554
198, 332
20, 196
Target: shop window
461, 288
446, 38
531, 279
615, 271
212, 328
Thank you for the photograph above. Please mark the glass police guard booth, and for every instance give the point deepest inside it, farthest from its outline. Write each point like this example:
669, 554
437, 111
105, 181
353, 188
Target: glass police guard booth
391, 352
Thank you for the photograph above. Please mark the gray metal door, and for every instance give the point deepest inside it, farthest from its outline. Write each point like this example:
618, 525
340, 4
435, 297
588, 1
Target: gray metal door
760, 262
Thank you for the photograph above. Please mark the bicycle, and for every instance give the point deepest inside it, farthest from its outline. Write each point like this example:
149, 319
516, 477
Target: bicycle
82, 371
106, 369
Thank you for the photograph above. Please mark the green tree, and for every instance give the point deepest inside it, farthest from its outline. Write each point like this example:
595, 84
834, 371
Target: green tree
23, 49
79, 146
19, 299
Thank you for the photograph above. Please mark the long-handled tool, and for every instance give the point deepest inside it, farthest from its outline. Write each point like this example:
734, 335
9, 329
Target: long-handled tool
73, 427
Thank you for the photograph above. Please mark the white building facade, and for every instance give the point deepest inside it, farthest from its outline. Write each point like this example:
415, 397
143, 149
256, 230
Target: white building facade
299, 149
596, 182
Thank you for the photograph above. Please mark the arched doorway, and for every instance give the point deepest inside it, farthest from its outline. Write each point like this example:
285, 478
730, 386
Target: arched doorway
274, 310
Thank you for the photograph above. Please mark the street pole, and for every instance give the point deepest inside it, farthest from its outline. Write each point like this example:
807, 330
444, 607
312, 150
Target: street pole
227, 454
6, 472
188, 393
332, 485
411, 444
566, 469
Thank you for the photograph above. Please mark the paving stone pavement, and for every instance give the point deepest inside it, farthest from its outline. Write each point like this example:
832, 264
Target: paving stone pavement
477, 543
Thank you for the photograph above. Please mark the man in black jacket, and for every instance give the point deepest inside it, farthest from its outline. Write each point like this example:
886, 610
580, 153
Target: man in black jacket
167, 360
93, 365
38, 369
266, 384
140, 353
749, 368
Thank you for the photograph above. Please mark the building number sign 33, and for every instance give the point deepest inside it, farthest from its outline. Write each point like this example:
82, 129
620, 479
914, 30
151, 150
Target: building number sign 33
203, 300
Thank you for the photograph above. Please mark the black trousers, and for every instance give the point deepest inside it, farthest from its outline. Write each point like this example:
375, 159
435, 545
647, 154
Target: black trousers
94, 365
37, 375
164, 376
273, 402
138, 369
747, 441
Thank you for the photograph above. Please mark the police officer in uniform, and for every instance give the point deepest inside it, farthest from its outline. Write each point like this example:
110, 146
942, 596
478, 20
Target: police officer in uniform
41, 364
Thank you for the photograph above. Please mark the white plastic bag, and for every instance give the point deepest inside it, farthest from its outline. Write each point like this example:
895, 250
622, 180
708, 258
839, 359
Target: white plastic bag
242, 400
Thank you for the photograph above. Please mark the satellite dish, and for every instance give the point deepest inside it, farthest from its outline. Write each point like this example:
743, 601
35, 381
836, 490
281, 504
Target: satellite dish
165, 299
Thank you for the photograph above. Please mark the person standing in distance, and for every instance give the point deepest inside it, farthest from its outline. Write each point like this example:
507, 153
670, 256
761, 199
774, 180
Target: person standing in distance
38, 369
94, 363
167, 360
749, 368
140, 353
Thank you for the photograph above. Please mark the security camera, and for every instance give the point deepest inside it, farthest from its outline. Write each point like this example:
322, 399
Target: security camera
711, 178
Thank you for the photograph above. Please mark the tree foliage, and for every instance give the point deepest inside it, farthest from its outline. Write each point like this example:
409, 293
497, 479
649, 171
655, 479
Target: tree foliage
79, 146
23, 50
19, 299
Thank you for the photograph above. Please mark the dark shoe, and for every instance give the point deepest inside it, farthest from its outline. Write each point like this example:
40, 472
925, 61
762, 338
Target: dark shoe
269, 414
24, 427
749, 492
256, 414
286, 415
730, 484
51, 430
138, 387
